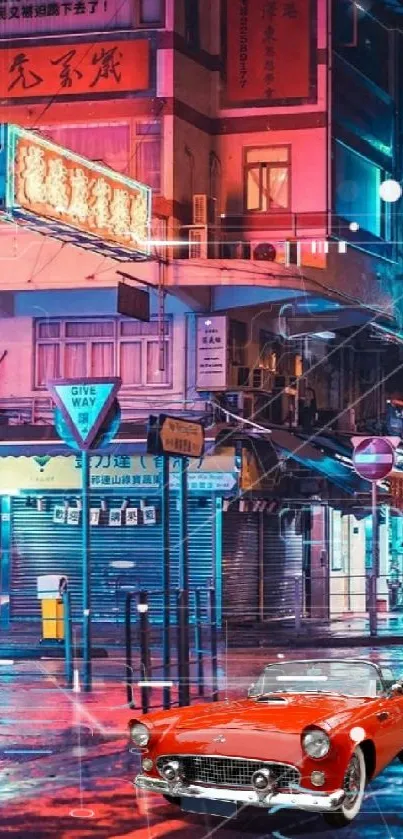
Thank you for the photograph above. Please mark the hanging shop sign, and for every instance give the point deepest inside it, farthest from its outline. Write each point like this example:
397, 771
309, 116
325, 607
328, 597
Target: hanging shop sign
270, 48
55, 191
212, 352
173, 436
120, 472
80, 69
35, 17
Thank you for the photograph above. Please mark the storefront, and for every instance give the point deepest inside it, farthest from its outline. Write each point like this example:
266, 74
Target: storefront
41, 533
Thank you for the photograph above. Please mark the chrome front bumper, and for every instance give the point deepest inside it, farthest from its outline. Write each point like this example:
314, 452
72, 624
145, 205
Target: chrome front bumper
301, 799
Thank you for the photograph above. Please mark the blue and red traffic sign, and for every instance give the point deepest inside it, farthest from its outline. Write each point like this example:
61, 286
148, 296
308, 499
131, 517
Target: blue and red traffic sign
374, 458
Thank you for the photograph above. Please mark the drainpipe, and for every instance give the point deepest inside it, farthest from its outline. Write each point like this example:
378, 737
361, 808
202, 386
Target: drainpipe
329, 115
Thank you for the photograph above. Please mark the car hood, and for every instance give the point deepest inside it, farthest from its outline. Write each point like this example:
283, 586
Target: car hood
288, 714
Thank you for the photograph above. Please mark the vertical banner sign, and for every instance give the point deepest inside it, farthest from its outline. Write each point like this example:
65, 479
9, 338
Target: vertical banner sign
212, 353
269, 49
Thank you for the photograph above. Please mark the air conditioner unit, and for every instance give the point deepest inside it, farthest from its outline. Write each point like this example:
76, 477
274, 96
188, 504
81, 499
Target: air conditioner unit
202, 244
261, 379
204, 209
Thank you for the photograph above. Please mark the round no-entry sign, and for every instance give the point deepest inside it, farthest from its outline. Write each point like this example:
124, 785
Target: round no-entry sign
374, 458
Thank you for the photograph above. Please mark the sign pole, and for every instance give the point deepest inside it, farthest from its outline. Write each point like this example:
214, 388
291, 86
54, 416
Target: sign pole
166, 640
86, 561
184, 576
373, 617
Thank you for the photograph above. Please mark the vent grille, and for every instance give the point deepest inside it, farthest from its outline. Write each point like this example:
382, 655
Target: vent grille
233, 772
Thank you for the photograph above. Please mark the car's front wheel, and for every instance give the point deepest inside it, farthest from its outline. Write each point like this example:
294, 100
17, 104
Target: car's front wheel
354, 785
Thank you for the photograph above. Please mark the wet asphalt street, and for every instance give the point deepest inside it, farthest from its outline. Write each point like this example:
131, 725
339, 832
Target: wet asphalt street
66, 771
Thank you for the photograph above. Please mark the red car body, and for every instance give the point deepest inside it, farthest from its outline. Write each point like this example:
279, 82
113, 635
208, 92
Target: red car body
270, 730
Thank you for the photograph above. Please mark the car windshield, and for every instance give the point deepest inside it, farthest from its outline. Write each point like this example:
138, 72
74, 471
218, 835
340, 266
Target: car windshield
350, 678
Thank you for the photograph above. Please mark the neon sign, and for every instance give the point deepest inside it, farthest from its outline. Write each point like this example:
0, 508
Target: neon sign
64, 195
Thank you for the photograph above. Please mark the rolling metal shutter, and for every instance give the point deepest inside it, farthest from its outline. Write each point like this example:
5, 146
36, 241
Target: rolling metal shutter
282, 559
240, 564
41, 547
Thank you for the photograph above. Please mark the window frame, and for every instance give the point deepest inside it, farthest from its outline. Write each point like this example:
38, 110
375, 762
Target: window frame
117, 338
137, 140
287, 164
140, 25
192, 34
386, 213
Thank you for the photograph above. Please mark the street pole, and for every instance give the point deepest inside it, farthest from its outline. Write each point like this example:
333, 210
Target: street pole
374, 563
184, 577
166, 579
86, 561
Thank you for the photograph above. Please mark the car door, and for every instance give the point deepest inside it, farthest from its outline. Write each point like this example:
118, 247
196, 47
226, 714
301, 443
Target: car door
387, 722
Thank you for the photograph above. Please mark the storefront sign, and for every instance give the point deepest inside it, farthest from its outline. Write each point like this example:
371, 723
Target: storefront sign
269, 51
119, 472
84, 404
34, 16
109, 67
212, 353
58, 192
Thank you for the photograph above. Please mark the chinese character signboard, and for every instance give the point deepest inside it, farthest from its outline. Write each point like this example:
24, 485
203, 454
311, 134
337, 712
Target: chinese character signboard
28, 17
270, 51
212, 362
58, 192
104, 67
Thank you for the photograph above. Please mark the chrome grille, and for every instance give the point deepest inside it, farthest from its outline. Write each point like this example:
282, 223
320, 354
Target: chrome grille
233, 772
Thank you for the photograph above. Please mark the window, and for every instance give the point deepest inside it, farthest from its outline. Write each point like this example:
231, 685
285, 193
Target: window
103, 347
267, 179
107, 143
151, 13
357, 192
147, 154
192, 24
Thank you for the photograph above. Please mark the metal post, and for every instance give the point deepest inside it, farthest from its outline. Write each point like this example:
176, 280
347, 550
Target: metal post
199, 642
166, 640
213, 639
86, 560
68, 638
373, 617
180, 648
144, 649
128, 648
297, 602
184, 576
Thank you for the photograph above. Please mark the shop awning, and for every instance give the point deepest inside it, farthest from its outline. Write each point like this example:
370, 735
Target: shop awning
292, 446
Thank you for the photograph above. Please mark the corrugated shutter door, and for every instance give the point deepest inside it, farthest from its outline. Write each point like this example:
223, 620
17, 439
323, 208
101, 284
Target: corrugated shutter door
282, 558
240, 564
42, 547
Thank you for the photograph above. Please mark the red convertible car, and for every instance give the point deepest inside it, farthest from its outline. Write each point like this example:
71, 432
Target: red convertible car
309, 736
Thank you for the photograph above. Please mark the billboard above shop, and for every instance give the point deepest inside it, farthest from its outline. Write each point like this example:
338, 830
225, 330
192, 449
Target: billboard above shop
34, 17
63, 195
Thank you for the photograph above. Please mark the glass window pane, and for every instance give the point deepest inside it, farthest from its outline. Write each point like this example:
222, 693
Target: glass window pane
49, 329
278, 187
108, 143
102, 359
357, 193
154, 375
253, 188
148, 129
148, 156
130, 362
151, 11
273, 154
90, 329
48, 363
75, 360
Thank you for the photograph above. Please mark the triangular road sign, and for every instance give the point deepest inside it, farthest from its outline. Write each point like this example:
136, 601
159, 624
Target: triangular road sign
84, 404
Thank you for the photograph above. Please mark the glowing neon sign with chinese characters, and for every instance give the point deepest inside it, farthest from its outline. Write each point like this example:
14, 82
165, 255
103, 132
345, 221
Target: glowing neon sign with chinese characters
63, 195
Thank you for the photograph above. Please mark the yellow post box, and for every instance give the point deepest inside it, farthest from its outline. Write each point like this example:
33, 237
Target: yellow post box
49, 592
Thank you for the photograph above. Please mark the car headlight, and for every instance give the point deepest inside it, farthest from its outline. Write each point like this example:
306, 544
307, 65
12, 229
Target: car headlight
315, 743
139, 734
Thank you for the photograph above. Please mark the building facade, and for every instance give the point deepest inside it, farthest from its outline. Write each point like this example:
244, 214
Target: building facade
265, 130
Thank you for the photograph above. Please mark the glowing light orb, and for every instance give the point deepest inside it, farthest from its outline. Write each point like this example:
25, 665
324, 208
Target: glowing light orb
357, 734
390, 191
354, 226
